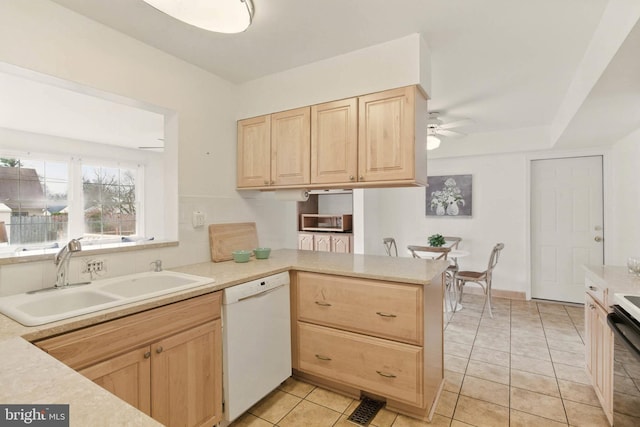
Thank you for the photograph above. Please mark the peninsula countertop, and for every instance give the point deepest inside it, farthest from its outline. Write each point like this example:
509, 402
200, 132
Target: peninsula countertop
31, 376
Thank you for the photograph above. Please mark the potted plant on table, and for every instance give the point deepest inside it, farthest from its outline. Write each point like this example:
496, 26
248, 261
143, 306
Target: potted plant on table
436, 240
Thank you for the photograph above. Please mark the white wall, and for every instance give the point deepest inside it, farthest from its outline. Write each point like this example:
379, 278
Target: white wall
499, 215
624, 236
50, 39
396, 63
335, 203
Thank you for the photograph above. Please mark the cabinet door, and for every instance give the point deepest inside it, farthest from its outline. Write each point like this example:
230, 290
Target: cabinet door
386, 135
334, 142
341, 243
254, 152
599, 354
305, 241
127, 376
186, 377
322, 243
290, 147
589, 320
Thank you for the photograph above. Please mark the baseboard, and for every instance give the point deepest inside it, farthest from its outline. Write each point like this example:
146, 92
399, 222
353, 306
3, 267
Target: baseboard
497, 293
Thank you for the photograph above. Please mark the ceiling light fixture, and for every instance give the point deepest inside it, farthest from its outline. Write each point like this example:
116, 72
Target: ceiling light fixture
433, 142
220, 16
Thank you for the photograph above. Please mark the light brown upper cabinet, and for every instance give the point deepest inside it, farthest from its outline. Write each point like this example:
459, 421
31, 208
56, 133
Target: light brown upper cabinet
254, 152
290, 147
273, 150
390, 146
334, 142
375, 140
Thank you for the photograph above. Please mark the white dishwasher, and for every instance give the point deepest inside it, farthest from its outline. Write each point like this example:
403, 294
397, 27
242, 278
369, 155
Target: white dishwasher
256, 341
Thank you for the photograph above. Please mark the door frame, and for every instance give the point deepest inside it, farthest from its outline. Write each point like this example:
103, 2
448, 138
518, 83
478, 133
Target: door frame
606, 195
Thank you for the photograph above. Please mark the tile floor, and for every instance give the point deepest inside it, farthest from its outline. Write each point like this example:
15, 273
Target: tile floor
524, 367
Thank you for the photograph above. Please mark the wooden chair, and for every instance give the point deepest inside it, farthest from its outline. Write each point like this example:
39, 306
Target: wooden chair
442, 250
449, 283
390, 245
482, 278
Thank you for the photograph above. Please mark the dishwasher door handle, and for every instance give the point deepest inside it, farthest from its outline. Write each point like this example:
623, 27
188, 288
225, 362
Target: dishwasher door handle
259, 294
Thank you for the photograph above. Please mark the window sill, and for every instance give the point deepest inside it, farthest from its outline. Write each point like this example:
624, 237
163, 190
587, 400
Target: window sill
95, 249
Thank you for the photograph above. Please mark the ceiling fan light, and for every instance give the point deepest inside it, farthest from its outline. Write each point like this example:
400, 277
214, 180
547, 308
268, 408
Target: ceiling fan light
221, 16
433, 142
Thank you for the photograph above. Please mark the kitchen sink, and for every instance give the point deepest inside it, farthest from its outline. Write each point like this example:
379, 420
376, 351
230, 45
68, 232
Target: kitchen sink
53, 304
60, 303
133, 286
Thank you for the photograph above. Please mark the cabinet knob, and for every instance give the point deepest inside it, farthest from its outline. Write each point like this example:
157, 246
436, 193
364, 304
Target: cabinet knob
361, 178
351, 177
147, 354
273, 182
593, 288
598, 239
159, 350
266, 182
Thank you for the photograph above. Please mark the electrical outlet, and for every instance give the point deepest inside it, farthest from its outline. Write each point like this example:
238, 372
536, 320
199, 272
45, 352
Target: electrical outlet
197, 219
93, 266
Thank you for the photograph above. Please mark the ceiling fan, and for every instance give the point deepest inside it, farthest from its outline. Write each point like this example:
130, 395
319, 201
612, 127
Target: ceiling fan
438, 128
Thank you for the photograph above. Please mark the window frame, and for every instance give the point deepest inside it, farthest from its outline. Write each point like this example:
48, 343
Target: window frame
75, 197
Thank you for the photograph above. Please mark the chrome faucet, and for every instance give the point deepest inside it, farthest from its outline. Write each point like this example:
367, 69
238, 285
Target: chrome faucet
157, 265
62, 259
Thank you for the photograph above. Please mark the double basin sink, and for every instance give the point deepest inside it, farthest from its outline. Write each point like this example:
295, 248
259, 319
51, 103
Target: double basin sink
50, 305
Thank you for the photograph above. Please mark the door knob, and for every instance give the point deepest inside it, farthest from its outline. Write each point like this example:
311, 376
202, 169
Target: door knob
598, 239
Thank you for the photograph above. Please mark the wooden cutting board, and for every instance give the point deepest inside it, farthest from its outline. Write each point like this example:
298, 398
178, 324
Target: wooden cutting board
226, 238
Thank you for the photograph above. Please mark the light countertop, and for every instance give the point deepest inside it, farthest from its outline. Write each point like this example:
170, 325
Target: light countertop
29, 375
615, 279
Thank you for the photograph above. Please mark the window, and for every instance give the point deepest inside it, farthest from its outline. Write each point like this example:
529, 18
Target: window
38, 210
33, 195
109, 201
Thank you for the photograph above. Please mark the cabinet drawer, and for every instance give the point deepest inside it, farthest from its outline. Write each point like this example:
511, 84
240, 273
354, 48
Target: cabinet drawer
597, 292
92, 344
387, 368
383, 309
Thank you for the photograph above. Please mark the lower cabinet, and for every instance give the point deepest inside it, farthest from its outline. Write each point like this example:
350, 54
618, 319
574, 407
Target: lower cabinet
362, 336
599, 353
326, 242
167, 361
128, 376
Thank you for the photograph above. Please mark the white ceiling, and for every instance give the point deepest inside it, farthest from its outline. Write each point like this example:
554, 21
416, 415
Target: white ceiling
506, 64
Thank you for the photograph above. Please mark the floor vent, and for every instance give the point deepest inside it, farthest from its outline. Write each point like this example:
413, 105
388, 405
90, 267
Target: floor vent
366, 410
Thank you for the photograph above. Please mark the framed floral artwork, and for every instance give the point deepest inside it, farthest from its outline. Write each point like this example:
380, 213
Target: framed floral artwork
449, 196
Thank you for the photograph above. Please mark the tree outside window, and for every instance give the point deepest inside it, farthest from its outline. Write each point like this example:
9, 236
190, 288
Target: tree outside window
109, 201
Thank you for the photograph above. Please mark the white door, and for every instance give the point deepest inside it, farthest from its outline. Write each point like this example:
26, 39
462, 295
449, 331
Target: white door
566, 225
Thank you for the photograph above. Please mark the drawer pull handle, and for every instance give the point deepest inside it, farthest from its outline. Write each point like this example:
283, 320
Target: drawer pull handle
323, 304
593, 288
321, 357
379, 313
386, 375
